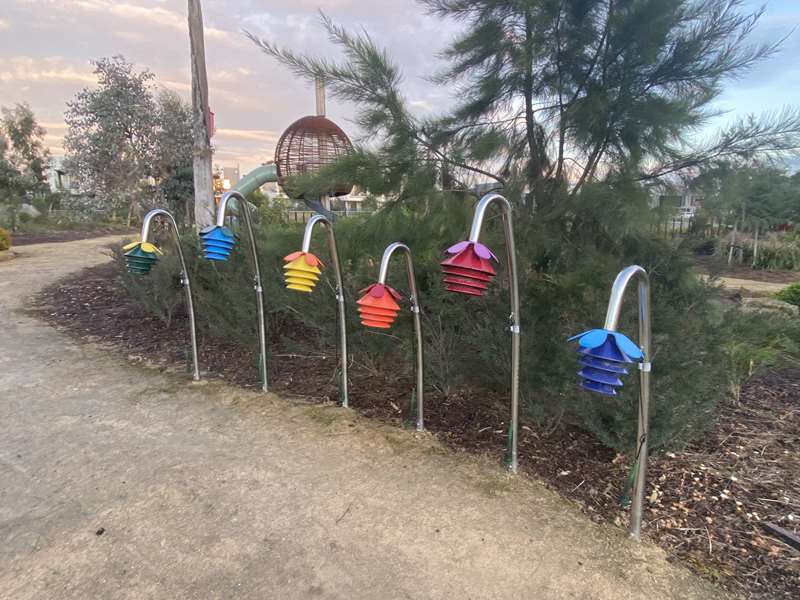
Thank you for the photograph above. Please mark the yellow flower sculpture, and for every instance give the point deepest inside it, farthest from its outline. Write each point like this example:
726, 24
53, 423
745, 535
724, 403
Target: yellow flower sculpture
301, 271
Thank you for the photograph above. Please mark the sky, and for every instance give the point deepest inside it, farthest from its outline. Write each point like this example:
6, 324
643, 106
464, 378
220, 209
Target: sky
46, 47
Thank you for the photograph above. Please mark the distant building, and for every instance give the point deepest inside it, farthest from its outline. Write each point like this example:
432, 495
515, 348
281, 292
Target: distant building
232, 175
684, 202
57, 176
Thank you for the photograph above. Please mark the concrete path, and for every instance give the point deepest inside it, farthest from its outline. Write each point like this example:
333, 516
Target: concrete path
117, 482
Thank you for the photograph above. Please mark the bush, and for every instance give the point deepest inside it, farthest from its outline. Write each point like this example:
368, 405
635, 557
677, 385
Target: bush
774, 254
755, 341
562, 291
790, 294
5, 240
159, 292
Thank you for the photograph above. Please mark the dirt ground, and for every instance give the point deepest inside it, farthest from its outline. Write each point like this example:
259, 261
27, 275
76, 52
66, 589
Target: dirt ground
707, 504
126, 482
751, 282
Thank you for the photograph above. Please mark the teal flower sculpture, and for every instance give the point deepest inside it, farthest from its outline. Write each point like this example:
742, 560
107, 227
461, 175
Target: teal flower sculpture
140, 257
602, 356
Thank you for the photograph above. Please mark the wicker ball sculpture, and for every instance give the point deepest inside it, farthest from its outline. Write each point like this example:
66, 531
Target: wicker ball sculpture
309, 144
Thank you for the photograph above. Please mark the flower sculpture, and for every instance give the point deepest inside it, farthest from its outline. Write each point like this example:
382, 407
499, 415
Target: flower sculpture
469, 268
378, 306
301, 271
217, 242
140, 257
602, 355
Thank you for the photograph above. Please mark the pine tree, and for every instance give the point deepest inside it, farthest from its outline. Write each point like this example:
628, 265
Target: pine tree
551, 95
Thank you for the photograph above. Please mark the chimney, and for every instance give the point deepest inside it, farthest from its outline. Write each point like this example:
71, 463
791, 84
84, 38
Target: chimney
319, 84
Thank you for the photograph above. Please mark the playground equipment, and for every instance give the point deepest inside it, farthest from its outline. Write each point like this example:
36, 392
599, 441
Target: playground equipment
218, 241
468, 271
378, 308
602, 356
302, 271
309, 144
140, 258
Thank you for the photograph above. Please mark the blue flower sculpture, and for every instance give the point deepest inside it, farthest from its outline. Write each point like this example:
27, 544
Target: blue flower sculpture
602, 355
217, 242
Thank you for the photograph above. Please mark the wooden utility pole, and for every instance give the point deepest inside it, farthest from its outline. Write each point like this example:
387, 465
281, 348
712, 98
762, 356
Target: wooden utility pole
203, 186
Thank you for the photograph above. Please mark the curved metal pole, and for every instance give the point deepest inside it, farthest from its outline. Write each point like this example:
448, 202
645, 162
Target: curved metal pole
642, 430
184, 278
339, 290
511, 253
244, 209
415, 309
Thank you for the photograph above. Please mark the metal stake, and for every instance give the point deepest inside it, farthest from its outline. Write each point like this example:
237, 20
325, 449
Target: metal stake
415, 309
244, 209
184, 278
642, 430
511, 253
339, 290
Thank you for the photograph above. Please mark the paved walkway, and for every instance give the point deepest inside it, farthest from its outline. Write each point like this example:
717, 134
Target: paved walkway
116, 482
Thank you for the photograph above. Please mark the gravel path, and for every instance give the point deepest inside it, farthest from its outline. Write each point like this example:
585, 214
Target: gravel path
122, 482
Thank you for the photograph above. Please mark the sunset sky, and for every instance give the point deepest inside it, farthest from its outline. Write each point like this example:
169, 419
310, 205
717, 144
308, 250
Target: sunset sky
46, 46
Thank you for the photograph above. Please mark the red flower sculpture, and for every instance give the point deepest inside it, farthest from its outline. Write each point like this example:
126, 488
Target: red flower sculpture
378, 306
469, 268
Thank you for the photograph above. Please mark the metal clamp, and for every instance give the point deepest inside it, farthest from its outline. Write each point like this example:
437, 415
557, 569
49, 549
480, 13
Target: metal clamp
515, 329
645, 366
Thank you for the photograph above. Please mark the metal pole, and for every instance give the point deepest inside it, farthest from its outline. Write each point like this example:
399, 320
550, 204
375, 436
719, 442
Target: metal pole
415, 309
339, 291
511, 253
642, 430
184, 279
244, 209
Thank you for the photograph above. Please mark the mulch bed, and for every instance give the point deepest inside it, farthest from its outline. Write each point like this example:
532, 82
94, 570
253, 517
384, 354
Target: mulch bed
49, 237
706, 505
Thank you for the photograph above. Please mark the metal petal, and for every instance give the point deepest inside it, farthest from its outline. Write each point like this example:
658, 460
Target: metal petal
484, 252
627, 346
395, 294
292, 256
593, 338
580, 335
456, 248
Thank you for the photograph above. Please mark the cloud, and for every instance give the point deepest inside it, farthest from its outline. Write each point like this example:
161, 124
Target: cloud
26, 68
260, 135
154, 15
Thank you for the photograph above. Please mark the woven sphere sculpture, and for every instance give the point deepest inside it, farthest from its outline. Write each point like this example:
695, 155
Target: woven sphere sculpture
306, 146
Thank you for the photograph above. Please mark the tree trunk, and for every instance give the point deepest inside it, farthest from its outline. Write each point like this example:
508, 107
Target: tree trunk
204, 209
732, 244
131, 203
755, 247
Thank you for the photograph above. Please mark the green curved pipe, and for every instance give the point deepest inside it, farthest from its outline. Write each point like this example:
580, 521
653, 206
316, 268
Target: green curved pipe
268, 174
256, 178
